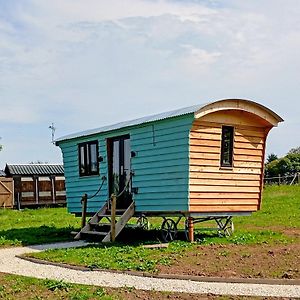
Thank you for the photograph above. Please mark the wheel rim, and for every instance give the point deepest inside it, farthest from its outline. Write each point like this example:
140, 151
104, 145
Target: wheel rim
168, 230
186, 229
228, 231
143, 223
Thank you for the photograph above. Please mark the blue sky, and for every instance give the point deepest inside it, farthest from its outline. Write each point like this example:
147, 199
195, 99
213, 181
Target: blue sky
86, 63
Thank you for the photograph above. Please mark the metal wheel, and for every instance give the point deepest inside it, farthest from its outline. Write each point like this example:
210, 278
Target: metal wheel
225, 229
168, 230
186, 229
143, 223
229, 229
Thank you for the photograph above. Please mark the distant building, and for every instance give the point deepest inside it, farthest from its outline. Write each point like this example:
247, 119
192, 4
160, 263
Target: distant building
28, 185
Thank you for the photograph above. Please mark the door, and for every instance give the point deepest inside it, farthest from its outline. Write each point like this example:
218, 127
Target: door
6, 192
119, 155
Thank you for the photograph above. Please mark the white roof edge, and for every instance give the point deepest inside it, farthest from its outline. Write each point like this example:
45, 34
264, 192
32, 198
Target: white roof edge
271, 112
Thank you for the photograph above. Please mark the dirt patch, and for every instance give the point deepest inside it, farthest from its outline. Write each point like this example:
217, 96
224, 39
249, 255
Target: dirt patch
239, 261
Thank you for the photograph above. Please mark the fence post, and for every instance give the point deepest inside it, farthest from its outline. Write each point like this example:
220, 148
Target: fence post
113, 218
84, 207
279, 179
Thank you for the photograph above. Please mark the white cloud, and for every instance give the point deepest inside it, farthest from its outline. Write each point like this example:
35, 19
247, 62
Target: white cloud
83, 63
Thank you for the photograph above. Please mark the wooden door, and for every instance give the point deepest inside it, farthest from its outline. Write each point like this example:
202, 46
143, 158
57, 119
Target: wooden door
119, 155
6, 192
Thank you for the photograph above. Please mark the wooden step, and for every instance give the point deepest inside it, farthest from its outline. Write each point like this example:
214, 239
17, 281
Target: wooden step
94, 233
99, 224
118, 211
109, 216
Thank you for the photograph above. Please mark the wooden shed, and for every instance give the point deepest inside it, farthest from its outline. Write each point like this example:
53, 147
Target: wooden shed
199, 162
36, 184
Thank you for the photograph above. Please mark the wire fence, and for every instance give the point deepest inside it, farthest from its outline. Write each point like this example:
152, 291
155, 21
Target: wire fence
286, 179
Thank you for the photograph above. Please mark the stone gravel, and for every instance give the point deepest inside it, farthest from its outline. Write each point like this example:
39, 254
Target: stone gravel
9, 263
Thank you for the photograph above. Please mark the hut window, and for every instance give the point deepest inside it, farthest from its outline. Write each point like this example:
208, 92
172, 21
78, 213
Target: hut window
88, 158
227, 146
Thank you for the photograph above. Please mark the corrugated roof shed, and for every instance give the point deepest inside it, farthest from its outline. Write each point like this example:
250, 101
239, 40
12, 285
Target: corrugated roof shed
147, 119
2, 173
34, 169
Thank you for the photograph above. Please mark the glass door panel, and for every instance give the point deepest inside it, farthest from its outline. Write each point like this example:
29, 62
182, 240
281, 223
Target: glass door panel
119, 156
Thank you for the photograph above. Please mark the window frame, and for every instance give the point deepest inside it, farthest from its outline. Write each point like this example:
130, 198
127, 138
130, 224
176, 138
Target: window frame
231, 146
86, 146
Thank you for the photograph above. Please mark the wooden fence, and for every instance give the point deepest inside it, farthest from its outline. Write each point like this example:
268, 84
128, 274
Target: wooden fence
19, 192
39, 191
287, 179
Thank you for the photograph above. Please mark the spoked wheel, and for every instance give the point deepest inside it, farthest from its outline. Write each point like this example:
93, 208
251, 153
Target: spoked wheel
229, 229
168, 230
186, 229
225, 228
143, 222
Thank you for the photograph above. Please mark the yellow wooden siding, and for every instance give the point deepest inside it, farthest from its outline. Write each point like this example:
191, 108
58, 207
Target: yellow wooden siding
215, 189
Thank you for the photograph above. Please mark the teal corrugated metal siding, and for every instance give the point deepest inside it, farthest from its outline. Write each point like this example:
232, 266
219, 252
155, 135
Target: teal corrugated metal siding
161, 167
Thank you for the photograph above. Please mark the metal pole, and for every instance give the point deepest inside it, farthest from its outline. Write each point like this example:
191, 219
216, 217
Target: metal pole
84, 207
18, 201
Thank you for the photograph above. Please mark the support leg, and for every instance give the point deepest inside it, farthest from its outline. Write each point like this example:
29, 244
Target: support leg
191, 229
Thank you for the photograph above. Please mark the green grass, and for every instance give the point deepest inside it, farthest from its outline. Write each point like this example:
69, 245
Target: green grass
35, 226
17, 287
118, 256
280, 212
280, 208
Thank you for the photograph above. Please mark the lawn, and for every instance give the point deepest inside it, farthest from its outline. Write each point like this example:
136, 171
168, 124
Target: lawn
265, 244
35, 226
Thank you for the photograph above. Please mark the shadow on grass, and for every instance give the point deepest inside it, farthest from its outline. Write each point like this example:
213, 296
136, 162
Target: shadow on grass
133, 236
35, 235
50, 234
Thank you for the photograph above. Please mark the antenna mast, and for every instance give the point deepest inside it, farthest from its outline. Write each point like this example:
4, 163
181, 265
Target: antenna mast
52, 132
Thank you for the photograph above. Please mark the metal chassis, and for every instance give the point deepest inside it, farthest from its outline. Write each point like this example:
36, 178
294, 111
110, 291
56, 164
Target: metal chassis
223, 221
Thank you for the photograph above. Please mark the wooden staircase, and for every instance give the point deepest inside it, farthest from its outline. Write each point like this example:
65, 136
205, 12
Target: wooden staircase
107, 232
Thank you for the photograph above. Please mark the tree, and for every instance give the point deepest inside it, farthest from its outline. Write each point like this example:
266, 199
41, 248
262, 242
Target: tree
38, 162
294, 150
284, 166
271, 157
294, 158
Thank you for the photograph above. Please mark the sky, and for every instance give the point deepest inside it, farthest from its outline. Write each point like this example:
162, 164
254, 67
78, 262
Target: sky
84, 64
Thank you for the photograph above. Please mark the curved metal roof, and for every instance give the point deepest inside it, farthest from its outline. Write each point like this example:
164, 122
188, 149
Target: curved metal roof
147, 119
166, 115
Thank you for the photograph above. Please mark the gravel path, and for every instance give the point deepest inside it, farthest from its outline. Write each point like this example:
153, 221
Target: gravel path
9, 263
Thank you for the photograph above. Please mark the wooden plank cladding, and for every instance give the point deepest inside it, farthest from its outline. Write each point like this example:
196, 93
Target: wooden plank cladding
216, 189
224, 208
